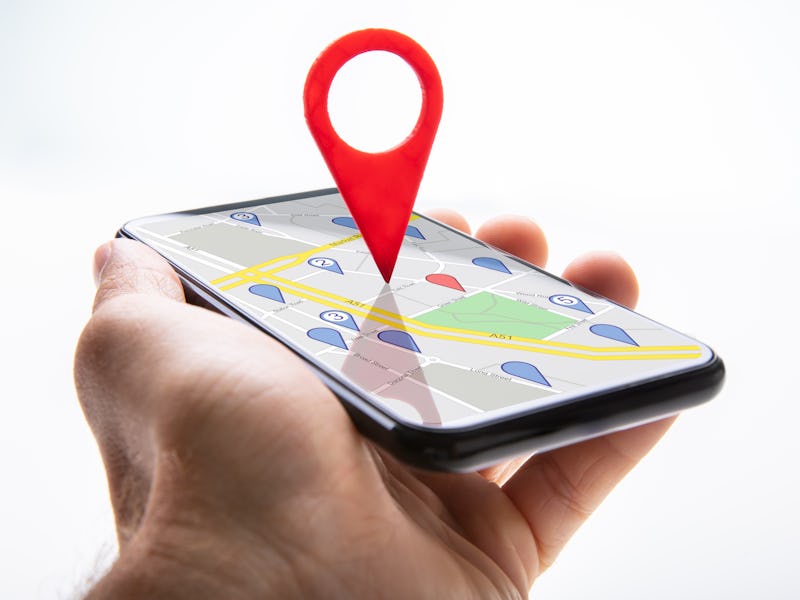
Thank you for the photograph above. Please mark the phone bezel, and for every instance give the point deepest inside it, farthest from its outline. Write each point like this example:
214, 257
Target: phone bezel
472, 446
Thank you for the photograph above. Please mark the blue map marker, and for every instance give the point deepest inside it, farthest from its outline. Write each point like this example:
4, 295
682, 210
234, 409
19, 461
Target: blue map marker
339, 317
325, 263
246, 217
345, 222
524, 370
267, 291
412, 231
570, 302
326, 335
490, 263
612, 332
398, 338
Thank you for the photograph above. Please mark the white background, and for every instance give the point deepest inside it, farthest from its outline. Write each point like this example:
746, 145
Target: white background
669, 132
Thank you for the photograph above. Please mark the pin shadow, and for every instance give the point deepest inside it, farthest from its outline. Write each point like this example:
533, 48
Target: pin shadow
372, 362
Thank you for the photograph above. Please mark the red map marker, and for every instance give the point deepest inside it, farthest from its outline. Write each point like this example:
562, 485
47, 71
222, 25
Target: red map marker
445, 280
379, 188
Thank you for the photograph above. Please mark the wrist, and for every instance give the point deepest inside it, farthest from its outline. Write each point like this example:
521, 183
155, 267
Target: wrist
178, 562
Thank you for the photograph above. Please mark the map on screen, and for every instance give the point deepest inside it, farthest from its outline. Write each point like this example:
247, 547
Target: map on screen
461, 330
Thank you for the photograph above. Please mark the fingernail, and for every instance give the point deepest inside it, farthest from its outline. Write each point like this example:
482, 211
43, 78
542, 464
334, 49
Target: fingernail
100, 259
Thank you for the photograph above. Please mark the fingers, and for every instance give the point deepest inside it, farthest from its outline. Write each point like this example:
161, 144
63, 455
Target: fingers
607, 274
128, 267
450, 217
519, 236
557, 490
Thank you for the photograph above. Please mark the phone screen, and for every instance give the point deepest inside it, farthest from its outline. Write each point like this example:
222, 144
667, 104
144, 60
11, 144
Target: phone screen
463, 333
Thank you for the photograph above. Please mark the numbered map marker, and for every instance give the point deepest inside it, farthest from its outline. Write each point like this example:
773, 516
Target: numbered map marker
398, 338
612, 332
488, 262
339, 317
326, 335
267, 291
524, 370
445, 280
378, 188
328, 264
570, 302
246, 217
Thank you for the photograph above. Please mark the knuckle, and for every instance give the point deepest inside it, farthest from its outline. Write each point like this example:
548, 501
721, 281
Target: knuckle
107, 342
123, 280
116, 319
165, 283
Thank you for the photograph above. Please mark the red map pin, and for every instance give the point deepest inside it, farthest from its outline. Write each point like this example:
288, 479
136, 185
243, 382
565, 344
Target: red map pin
379, 188
445, 280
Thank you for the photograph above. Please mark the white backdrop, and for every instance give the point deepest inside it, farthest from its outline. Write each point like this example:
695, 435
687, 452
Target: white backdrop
667, 131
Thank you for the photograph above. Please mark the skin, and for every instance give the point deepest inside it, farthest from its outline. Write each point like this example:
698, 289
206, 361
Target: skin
234, 473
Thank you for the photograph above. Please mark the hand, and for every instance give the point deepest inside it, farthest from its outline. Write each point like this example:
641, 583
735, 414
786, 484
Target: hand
234, 473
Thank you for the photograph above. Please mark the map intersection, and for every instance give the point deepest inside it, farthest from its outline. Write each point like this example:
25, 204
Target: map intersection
461, 329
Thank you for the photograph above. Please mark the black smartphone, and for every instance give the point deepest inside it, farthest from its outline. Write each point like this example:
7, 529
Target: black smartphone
468, 356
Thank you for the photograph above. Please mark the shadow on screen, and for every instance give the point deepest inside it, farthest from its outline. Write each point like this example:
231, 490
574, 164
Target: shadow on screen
373, 362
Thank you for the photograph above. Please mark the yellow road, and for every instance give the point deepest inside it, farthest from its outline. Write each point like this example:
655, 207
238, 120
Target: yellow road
266, 273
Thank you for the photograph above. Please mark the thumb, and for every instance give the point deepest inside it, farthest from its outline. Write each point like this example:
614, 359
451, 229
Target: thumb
129, 267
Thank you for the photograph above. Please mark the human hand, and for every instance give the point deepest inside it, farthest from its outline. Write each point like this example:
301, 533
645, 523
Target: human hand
234, 473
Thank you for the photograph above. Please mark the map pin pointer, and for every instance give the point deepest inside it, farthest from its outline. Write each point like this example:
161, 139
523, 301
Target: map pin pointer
445, 280
525, 371
339, 317
612, 332
246, 217
570, 302
326, 335
398, 338
379, 188
326, 263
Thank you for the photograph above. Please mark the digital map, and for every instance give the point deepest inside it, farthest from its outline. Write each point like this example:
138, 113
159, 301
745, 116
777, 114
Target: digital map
461, 329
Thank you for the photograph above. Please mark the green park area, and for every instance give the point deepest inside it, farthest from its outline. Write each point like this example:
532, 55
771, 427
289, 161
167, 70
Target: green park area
489, 313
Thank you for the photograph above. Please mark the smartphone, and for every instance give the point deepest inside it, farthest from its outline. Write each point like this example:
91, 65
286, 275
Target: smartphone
468, 356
